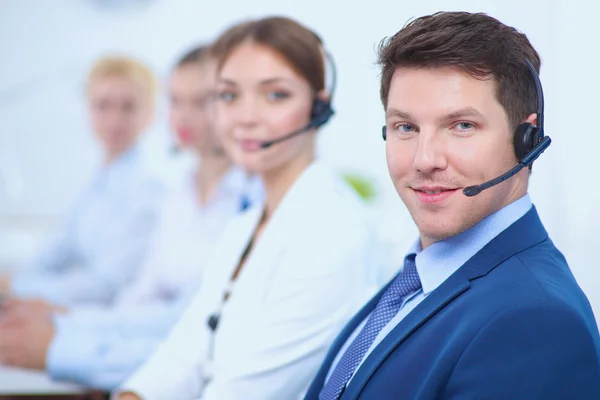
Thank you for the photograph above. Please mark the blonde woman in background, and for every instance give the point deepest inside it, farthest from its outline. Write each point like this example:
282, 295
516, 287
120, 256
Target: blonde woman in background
101, 243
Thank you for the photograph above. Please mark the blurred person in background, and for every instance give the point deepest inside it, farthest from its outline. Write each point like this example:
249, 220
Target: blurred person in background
100, 244
208, 196
286, 273
100, 346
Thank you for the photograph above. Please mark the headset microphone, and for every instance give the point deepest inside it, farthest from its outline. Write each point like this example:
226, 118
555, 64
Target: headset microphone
265, 145
321, 113
525, 162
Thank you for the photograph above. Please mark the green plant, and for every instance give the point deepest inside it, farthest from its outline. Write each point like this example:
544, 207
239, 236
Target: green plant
363, 186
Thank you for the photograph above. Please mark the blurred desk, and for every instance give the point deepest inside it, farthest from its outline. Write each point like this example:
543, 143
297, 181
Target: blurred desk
16, 383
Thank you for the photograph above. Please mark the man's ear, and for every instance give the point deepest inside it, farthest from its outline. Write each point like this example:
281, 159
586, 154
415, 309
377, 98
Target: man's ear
532, 119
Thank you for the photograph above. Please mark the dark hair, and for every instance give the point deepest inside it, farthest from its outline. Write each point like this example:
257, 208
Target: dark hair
196, 55
300, 46
480, 45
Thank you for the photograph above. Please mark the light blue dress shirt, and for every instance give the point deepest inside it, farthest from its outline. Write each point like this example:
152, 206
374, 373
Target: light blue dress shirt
102, 352
439, 261
102, 241
99, 346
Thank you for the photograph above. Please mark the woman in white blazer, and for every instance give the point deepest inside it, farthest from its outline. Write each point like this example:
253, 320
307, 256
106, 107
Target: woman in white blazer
287, 274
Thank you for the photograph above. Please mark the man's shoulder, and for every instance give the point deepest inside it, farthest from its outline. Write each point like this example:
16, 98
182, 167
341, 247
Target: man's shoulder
537, 278
537, 271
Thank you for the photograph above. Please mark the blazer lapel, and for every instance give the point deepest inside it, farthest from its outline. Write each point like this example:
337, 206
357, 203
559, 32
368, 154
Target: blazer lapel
245, 232
524, 233
438, 299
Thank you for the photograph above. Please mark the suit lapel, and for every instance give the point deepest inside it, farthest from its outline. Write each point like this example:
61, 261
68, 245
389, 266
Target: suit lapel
438, 299
524, 233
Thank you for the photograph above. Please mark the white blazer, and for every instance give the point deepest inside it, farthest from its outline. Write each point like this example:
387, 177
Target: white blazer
305, 277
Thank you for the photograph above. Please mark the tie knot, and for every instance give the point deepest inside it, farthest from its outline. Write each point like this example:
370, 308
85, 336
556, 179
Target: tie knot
408, 280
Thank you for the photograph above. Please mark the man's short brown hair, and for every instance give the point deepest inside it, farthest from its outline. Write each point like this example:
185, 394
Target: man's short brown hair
480, 45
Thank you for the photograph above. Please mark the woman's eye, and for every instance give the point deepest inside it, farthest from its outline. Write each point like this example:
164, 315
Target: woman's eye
278, 95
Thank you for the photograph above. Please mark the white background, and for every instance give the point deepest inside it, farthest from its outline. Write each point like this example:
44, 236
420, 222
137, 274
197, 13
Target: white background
46, 149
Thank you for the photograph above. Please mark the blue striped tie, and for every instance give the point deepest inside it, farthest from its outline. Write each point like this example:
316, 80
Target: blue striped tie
404, 284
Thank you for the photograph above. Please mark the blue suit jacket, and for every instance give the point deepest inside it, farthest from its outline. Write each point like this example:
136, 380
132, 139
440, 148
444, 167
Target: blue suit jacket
511, 323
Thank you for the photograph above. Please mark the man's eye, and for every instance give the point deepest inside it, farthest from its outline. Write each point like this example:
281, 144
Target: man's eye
464, 126
405, 128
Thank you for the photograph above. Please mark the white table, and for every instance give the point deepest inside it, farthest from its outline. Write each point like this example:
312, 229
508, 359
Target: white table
16, 381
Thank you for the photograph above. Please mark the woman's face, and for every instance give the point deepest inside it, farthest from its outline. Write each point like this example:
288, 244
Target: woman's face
190, 112
261, 98
119, 110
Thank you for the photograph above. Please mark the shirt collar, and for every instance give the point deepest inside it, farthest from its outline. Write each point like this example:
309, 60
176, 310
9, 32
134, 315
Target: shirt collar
235, 183
118, 170
440, 260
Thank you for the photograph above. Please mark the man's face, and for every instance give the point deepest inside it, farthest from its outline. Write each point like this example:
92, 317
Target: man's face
446, 131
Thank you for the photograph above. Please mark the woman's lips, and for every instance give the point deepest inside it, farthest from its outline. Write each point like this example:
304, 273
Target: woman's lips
185, 135
250, 144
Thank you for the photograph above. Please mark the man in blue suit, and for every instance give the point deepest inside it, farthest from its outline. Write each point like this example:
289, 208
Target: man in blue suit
485, 306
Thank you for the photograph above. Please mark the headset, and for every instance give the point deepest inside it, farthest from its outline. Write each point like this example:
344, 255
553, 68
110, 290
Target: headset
321, 111
529, 141
527, 136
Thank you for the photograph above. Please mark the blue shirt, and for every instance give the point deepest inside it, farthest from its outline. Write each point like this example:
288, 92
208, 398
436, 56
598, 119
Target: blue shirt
439, 261
102, 352
101, 243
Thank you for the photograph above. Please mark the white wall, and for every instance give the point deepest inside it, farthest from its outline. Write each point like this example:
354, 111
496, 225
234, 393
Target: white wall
47, 47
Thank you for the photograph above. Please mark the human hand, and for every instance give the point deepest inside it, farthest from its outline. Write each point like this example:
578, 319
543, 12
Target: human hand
25, 338
5, 285
128, 396
37, 307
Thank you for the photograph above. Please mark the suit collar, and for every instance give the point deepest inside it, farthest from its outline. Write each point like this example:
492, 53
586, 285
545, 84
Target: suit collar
440, 260
525, 233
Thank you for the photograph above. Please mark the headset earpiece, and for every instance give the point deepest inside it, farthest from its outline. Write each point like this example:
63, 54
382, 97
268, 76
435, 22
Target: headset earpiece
526, 137
321, 113
322, 109
384, 132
